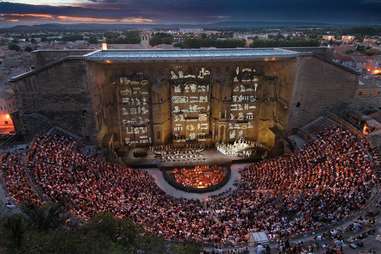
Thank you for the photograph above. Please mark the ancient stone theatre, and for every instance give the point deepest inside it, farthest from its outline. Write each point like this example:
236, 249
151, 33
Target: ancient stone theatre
137, 98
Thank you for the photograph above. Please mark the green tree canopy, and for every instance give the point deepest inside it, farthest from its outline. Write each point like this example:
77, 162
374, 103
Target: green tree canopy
211, 42
161, 38
129, 37
92, 40
32, 233
284, 43
72, 37
14, 46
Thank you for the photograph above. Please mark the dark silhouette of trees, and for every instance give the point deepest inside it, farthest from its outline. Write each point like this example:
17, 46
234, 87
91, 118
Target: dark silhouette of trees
161, 38
205, 42
284, 43
129, 37
40, 230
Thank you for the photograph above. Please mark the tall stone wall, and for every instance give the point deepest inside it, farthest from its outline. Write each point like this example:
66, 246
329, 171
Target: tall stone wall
271, 100
55, 96
320, 86
41, 58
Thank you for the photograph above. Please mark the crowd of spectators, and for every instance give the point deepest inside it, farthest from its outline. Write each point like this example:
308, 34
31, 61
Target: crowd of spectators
296, 193
16, 180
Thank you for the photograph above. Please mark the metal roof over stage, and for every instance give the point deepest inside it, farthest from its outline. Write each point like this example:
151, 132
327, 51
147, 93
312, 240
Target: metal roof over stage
189, 54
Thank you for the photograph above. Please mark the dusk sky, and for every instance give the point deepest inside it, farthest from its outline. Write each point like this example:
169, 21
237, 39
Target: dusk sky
188, 11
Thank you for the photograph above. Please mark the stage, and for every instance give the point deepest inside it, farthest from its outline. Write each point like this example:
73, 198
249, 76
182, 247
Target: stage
207, 157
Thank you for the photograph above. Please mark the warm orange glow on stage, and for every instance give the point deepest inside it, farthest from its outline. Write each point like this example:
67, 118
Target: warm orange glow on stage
199, 177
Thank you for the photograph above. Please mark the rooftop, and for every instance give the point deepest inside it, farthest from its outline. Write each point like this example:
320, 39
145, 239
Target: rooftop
188, 54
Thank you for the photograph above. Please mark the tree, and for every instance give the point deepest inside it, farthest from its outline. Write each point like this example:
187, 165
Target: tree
161, 38
92, 40
284, 43
204, 42
129, 37
32, 233
28, 49
363, 31
49, 216
14, 46
123, 234
185, 248
128, 233
132, 37
72, 37
152, 245
105, 224
13, 231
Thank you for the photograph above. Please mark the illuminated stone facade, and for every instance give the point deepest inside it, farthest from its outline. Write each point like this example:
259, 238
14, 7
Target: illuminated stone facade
142, 103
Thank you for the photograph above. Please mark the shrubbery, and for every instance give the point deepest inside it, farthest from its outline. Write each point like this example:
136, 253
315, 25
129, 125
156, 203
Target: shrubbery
129, 37
45, 230
14, 46
161, 38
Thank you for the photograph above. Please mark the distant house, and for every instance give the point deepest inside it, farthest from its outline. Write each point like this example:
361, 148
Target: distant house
329, 38
191, 30
348, 39
370, 41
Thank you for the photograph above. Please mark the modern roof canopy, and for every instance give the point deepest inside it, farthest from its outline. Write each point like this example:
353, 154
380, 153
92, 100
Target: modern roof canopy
189, 54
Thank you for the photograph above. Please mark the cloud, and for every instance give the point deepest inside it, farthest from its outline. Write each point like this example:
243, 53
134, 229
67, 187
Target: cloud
131, 20
312, 10
67, 14
195, 11
17, 17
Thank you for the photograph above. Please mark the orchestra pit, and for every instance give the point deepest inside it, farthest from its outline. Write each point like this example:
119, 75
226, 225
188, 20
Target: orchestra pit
200, 178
